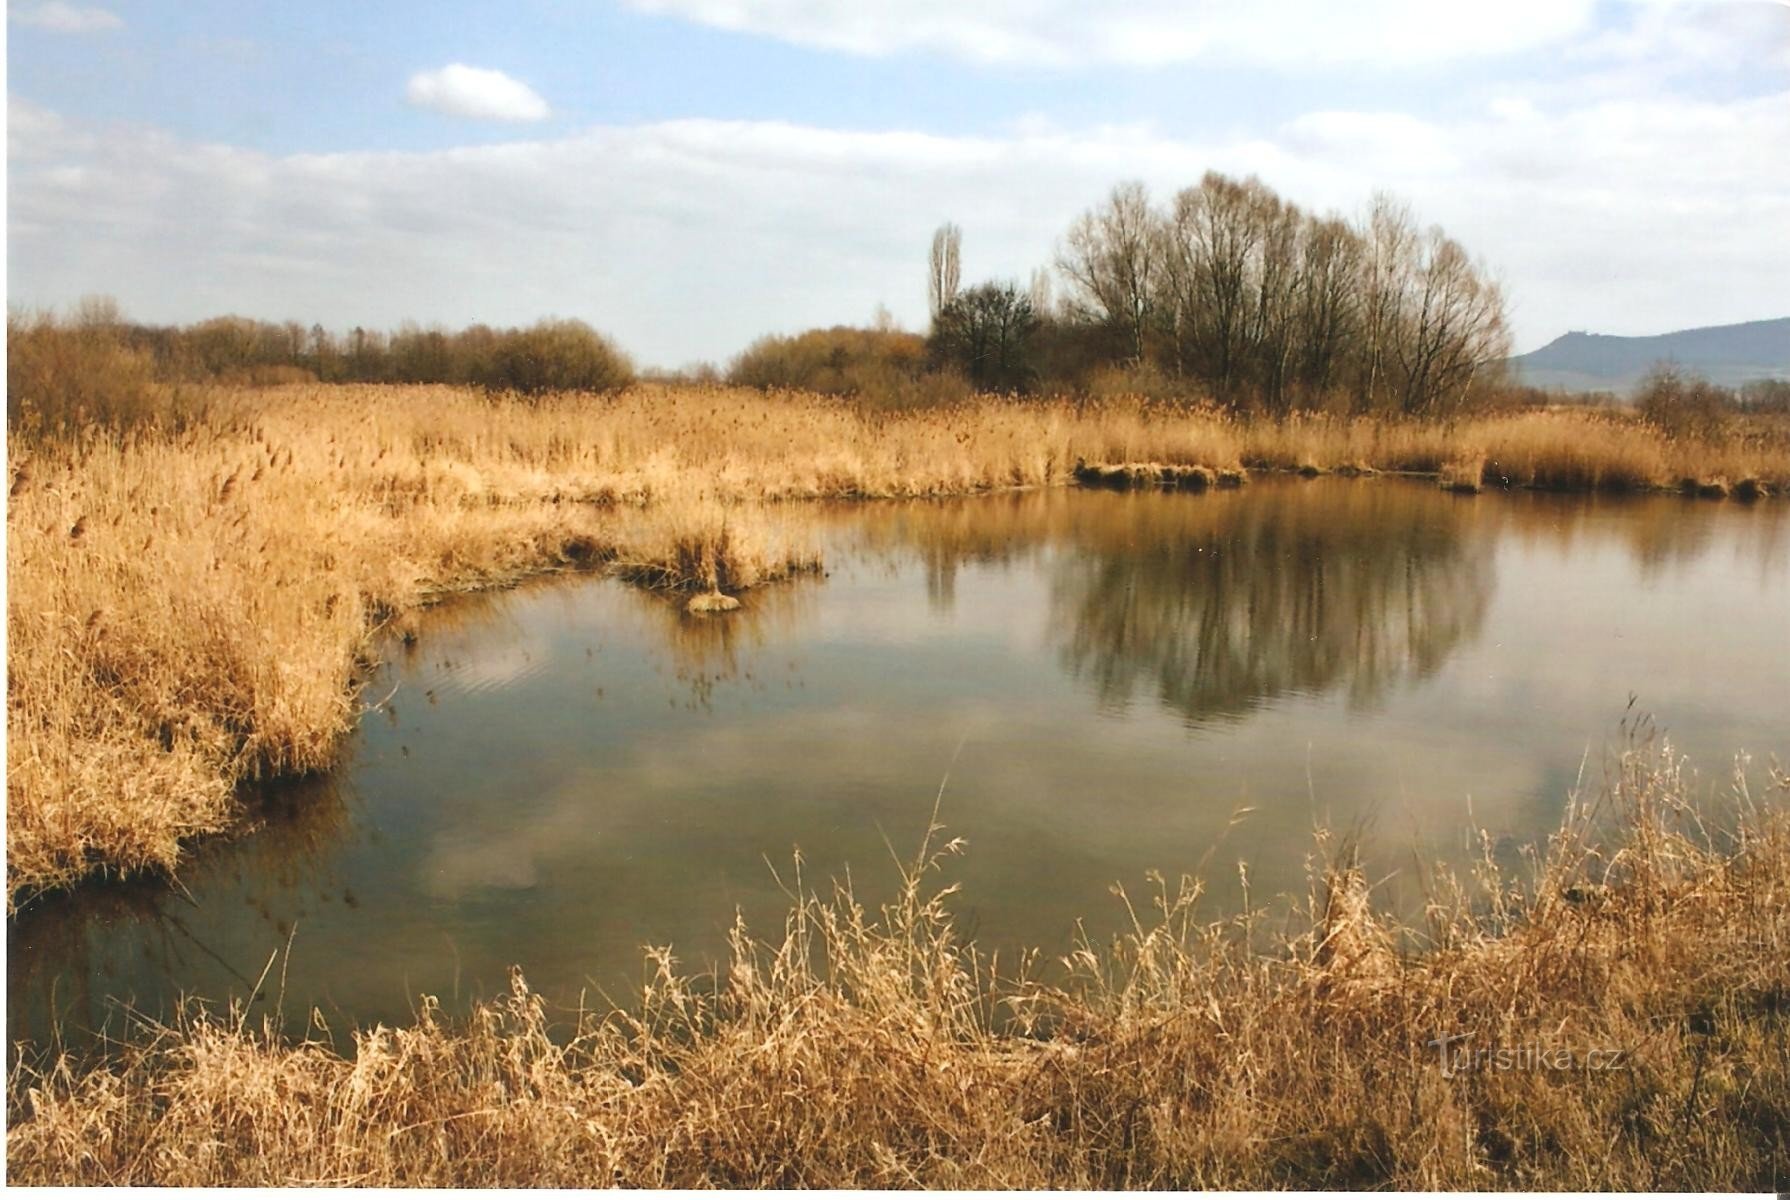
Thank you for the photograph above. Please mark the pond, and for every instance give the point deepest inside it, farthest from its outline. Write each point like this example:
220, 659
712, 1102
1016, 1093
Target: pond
559, 775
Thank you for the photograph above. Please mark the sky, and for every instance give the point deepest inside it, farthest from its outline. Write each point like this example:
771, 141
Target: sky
689, 174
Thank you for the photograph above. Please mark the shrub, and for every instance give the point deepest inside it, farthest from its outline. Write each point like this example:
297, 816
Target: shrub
64, 380
557, 356
841, 361
1683, 405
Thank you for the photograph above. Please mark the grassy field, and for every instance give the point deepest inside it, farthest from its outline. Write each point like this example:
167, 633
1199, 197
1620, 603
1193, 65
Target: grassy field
1617, 1018
190, 609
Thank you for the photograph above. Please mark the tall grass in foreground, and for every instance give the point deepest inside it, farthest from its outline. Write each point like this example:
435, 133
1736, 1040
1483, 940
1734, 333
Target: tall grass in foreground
190, 599
1295, 1046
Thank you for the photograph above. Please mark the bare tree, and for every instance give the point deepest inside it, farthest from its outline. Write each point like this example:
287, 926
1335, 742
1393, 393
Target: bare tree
1038, 291
1240, 289
986, 332
1110, 259
1391, 243
1454, 325
1211, 245
1329, 300
97, 312
1275, 281
944, 268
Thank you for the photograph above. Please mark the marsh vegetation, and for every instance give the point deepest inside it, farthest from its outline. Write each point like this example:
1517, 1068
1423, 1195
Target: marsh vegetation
190, 599
215, 535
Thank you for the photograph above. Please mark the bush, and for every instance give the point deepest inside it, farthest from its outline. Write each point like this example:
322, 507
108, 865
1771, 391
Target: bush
66, 380
557, 356
1683, 406
841, 361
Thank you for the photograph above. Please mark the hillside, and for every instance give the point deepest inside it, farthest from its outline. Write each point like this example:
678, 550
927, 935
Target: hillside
1726, 354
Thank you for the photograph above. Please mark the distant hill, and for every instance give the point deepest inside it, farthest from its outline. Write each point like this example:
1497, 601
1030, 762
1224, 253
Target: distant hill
1725, 354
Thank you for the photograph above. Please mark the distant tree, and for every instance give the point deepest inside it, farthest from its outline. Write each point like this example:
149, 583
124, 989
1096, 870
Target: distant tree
97, 312
557, 356
840, 361
1452, 326
322, 354
366, 360
986, 332
1038, 291
1110, 259
1765, 396
1683, 405
944, 268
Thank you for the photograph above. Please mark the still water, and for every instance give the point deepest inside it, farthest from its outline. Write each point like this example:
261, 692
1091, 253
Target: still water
571, 771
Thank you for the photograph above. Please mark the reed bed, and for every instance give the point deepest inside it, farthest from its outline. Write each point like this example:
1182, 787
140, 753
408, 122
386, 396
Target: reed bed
193, 594
1614, 1016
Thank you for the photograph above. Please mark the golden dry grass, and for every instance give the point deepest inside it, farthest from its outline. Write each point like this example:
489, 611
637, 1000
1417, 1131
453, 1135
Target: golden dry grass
190, 608
1288, 1047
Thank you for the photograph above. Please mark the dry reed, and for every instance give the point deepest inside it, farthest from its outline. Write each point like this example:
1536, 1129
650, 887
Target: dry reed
1618, 1016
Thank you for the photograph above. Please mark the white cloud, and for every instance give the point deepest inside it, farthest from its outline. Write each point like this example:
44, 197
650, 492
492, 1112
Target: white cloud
59, 17
1151, 32
476, 92
686, 239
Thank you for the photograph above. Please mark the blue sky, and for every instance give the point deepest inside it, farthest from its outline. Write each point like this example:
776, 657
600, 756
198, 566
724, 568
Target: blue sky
689, 173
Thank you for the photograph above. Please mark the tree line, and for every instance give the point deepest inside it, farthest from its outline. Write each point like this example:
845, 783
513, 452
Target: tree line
1229, 290
551, 355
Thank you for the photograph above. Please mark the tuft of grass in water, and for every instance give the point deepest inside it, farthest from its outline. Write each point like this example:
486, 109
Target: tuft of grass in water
1750, 489
1614, 1017
1464, 477
1177, 477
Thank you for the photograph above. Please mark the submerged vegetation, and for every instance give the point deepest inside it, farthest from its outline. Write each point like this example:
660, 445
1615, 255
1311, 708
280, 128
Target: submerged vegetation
1613, 1018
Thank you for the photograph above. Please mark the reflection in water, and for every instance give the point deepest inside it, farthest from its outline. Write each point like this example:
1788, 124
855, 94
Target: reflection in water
1222, 607
69, 959
1221, 603
559, 774
708, 649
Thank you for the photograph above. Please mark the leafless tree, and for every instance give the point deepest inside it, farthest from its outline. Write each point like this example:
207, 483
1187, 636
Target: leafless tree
1039, 292
1329, 300
1210, 246
1110, 260
1452, 327
944, 268
1391, 243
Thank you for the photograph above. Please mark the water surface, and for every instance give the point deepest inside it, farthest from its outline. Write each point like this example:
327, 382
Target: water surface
568, 772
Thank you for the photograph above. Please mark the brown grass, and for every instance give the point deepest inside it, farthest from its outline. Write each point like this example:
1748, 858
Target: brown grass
1288, 1047
193, 591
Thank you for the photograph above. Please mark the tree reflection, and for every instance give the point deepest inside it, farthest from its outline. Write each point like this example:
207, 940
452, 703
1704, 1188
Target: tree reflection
1222, 603
1219, 602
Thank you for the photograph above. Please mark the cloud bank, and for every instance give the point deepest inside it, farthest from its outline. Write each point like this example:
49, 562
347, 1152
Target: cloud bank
685, 239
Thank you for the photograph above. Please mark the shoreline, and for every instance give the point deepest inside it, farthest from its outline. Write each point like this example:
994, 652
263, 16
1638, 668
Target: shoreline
1552, 1032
